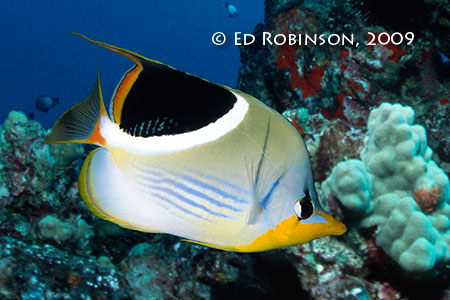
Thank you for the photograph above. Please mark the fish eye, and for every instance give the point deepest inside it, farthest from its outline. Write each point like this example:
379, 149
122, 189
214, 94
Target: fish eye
304, 208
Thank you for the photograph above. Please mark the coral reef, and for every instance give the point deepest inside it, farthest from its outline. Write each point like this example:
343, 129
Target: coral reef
328, 93
58, 249
346, 82
54, 228
374, 167
319, 133
54, 248
329, 269
147, 270
28, 168
45, 272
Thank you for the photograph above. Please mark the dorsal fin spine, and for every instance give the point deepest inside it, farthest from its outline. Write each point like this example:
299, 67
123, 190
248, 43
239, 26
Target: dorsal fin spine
128, 79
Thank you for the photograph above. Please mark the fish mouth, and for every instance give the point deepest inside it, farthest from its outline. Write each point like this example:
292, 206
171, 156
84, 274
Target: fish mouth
334, 227
340, 229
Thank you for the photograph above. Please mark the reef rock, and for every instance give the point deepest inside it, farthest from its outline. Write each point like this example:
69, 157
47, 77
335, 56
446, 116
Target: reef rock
345, 82
45, 272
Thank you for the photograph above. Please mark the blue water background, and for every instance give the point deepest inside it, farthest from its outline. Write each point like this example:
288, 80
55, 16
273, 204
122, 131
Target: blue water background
41, 57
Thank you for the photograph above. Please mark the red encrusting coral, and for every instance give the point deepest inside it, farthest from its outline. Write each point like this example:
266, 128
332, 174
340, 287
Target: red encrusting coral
286, 57
339, 112
289, 56
345, 52
444, 101
428, 199
310, 83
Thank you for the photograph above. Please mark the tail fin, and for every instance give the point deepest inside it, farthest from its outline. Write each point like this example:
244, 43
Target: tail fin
81, 122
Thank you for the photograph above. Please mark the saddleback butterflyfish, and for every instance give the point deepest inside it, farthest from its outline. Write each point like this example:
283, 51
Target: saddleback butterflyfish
181, 155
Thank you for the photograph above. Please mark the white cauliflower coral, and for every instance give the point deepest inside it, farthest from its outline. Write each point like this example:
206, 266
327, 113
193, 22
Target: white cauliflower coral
352, 185
408, 198
397, 155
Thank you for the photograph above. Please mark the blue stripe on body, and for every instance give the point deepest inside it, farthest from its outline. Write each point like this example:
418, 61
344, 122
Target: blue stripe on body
180, 186
187, 211
185, 200
201, 184
215, 189
201, 195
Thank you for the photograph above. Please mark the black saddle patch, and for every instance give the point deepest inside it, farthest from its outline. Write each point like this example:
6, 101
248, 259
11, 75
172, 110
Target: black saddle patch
165, 101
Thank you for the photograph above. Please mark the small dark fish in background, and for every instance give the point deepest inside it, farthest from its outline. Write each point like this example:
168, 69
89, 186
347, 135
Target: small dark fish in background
44, 103
231, 9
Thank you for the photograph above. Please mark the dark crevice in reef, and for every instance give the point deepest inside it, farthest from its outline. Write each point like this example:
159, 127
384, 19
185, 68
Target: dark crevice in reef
272, 277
